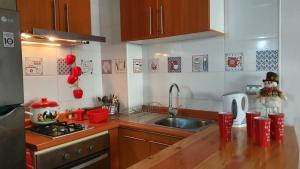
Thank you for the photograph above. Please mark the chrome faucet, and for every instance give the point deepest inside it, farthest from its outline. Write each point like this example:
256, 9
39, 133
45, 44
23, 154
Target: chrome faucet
172, 111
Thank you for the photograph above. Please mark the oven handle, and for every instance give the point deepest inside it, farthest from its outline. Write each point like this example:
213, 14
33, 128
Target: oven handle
92, 161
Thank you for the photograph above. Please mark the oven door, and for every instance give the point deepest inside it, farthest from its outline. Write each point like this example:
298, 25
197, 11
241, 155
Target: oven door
97, 161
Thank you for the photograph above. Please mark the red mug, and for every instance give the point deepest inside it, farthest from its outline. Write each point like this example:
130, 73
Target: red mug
250, 120
262, 127
225, 125
277, 126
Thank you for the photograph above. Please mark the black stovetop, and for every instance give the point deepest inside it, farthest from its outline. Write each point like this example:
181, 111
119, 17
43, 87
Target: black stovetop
58, 129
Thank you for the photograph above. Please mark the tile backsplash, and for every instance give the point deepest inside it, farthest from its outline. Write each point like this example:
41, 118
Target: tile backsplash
52, 83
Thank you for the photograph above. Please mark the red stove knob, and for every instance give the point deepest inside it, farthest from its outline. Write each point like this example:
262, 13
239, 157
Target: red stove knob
67, 156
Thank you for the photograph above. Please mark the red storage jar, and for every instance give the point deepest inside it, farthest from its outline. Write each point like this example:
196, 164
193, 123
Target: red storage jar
98, 115
78, 115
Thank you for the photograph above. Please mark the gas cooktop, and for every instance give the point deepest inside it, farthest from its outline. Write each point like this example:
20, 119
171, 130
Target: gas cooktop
58, 129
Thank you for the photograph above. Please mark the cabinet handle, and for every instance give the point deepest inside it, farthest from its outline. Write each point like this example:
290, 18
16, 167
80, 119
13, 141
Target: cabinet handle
133, 138
154, 142
150, 20
54, 14
161, 19
67, 18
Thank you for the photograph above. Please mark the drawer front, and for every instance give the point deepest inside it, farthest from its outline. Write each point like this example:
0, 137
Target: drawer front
55, 157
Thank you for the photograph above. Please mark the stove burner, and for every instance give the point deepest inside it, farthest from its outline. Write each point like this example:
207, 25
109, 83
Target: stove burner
57, 129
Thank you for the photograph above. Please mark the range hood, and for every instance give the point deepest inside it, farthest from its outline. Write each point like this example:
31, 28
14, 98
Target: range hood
57, 38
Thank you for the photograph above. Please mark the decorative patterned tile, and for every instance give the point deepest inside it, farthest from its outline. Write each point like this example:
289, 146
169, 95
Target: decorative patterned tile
62, 67
106, 66
267, 60
137, 65
200, 63
120, 65
174, 64
87, 66
154, 65
234, 62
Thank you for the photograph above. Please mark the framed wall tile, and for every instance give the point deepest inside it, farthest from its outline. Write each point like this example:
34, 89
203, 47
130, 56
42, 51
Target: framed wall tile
33, 66
106, 66
234, 62
120, 65
200, 63
87, 66
267, 60
154, 65
174, 64
137, 65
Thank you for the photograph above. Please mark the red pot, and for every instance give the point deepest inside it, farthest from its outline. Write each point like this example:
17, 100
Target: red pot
70, 59
76, 71
72, 79
78, 93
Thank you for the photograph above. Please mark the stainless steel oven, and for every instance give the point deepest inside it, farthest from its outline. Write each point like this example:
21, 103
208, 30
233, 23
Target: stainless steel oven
87, 153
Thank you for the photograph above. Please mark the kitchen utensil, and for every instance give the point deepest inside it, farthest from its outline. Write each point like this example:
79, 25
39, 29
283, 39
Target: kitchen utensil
262, 127
43, 112
237, 103
250, 120
225, 124
78, 93
277, 126
98, 115
70, 59
79, 115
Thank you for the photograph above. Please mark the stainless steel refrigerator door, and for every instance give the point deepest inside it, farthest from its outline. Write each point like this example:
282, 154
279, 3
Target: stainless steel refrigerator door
11, 73
12, 138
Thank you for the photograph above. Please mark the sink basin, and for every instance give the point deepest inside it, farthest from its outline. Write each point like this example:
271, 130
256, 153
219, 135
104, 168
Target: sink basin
183, 123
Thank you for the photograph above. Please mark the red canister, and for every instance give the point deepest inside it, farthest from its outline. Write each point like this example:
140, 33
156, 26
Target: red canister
250, 120
262, 127
225, 125
79, 115
277, 126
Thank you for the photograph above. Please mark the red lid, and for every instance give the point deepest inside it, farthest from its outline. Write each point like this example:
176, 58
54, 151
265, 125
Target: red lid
43, 103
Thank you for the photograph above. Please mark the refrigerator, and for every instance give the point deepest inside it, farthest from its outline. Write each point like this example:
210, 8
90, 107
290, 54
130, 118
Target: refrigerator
12, 130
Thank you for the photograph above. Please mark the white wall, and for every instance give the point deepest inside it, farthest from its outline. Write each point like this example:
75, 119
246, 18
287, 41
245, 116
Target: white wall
290, 60
54, 86
247, 25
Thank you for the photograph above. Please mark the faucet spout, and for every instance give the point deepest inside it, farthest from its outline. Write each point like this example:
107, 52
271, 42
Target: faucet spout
172, 110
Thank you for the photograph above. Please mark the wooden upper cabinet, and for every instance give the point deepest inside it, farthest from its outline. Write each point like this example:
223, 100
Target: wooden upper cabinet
178, 17
75, 16
37, 14
170, 18
138, 19
60, 15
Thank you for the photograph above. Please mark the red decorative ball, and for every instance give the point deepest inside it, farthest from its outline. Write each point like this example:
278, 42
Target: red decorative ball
72, 79
76, 71
70, 59
78, 93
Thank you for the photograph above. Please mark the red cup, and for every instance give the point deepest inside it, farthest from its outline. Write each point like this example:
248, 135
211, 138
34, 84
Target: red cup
250, 120
262, 126
225, 125
277, 126
79, 115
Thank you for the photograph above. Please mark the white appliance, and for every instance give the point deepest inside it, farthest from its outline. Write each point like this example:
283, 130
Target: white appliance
237, 103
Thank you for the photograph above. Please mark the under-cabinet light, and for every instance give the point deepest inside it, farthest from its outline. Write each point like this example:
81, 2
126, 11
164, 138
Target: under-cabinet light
39, 43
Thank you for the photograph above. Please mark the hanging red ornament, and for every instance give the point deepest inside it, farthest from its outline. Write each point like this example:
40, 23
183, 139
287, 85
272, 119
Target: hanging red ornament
70, 59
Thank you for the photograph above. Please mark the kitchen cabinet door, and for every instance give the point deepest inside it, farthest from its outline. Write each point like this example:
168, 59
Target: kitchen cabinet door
138, 19
37, 14
132, 150
178, 17
75, 16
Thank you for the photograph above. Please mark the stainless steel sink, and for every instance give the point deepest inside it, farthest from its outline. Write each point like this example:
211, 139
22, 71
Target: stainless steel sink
183, 123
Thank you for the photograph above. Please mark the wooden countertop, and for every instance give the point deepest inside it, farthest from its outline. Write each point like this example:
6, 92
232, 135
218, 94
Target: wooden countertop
139, 121
204, 150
